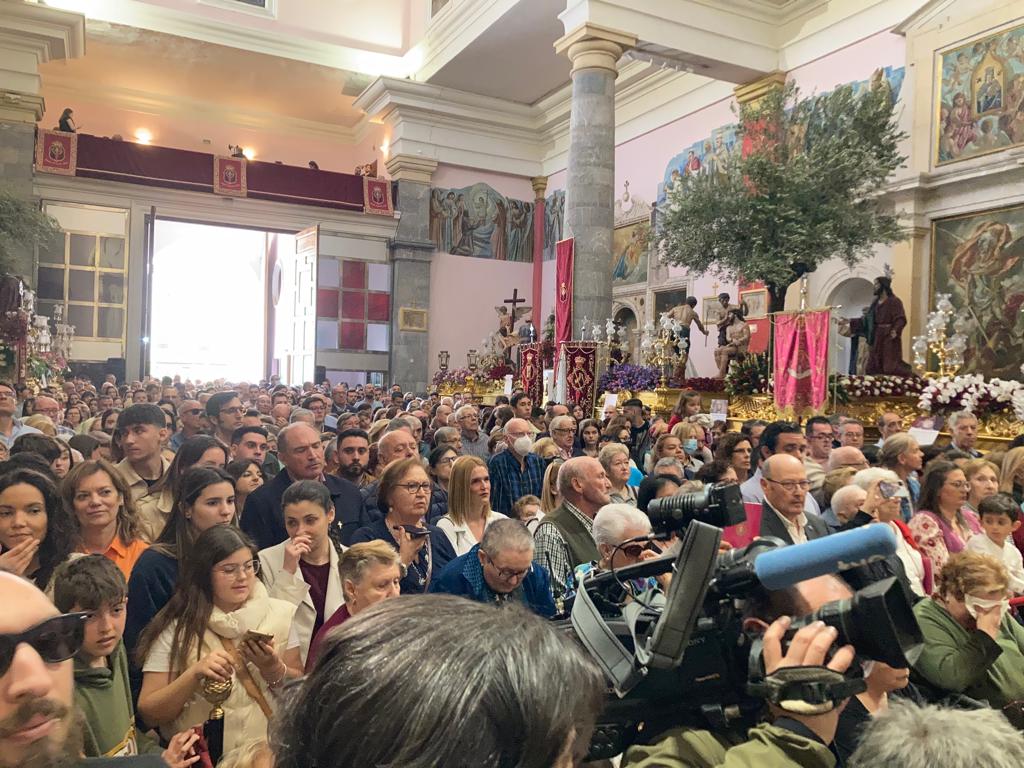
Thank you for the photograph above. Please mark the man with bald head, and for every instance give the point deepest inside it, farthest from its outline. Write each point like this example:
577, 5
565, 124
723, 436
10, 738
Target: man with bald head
847, 456
516, 471
785, 486
49, 407
38, 726
564, 538
301, 452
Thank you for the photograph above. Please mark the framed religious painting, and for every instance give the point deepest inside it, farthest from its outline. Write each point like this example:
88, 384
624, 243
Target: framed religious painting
980, 96
756, 302
978, 259
666, 300
711, 310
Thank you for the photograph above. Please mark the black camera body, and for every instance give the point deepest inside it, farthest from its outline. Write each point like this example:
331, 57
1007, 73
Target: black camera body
682, 658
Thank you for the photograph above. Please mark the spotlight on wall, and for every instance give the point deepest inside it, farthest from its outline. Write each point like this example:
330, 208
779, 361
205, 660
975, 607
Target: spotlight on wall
143, 135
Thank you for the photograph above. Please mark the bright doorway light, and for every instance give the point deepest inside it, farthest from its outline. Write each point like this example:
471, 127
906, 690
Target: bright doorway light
208, 302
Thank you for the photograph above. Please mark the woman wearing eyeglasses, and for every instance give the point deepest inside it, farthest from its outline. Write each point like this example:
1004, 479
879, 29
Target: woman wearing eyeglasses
440, 462
206, 633
403, 495
943, 523
469, 504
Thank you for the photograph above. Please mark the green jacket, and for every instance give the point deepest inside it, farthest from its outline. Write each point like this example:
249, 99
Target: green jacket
104, 697
766, 746
970, 662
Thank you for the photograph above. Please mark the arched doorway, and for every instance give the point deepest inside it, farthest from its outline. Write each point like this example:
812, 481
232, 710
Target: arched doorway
624, 317
854, 295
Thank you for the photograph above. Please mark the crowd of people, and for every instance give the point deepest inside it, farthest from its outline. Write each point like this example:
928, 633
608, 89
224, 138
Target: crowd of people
173, 550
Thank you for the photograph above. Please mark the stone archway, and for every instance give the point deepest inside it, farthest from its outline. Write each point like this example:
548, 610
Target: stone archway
854, 294
625, 317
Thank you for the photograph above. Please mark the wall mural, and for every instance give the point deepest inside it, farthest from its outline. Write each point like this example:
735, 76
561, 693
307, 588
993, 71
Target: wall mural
477, 221
981, 104
979, 259
554, 216
710, 154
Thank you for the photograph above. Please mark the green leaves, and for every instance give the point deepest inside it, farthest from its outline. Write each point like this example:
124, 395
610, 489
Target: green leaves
22, 225
806, 192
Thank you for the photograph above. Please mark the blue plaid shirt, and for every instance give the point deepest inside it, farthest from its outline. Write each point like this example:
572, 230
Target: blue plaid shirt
509, 483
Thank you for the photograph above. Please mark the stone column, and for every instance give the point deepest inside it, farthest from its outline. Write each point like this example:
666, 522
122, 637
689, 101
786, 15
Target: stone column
589, 190
30, 35
410, 269
540, 185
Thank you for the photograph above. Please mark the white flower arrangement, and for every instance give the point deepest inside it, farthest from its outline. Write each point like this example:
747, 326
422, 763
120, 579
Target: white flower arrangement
973, 394
856, 387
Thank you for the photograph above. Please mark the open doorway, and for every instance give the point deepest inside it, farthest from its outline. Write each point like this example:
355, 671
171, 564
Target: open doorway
209, 301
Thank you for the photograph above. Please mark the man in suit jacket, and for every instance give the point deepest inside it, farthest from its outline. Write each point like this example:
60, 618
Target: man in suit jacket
302, 453
785, 486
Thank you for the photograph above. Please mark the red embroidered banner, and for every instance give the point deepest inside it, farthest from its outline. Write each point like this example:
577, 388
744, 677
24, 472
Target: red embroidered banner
580, 373
801, 362
229, 176
531, 371
57, 152
377, 196
564, 256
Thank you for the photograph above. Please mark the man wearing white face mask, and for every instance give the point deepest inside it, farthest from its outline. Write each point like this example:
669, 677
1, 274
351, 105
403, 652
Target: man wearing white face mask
971, 643
515, 472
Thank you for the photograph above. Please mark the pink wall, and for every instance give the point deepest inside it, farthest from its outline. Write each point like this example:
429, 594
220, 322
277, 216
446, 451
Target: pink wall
463, 294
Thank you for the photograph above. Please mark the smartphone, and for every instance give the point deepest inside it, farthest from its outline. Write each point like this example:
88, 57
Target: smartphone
415, 531
888, 490
257, 636
330, 421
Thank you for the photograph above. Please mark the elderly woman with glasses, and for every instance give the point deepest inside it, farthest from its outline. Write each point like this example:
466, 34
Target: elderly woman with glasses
943, 523
500, 569
403, 496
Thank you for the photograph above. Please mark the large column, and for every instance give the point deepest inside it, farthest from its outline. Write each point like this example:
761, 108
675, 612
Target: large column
30, 35
589, 190
410, 269
540, 185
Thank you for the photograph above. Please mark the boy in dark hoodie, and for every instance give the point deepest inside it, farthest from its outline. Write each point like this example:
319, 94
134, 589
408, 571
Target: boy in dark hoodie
102, 693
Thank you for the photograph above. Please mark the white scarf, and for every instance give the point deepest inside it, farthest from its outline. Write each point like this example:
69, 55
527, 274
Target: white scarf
235, 624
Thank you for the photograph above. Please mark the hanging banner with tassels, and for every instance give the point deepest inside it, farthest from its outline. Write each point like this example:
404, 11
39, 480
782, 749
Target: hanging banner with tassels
580, 373
531, 371
801, 362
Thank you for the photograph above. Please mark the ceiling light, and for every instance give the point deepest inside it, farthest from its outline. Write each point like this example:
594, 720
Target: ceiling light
249, 153
143, 136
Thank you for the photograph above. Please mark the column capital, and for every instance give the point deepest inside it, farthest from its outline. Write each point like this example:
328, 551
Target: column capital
411, 168
758, 89
19, 107
540, 186
592, 46
32, 34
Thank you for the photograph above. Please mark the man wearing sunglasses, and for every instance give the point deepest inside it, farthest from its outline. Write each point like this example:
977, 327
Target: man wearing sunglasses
38, 727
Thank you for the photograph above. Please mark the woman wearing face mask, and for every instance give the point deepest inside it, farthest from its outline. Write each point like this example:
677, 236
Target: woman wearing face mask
690, 448
971, 643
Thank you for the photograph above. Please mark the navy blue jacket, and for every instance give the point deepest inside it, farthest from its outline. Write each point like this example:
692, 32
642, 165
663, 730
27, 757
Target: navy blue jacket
414, 581
263, 517
153, 580
464, 577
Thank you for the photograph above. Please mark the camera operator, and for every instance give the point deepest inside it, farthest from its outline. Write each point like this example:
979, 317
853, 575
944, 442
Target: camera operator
785, 738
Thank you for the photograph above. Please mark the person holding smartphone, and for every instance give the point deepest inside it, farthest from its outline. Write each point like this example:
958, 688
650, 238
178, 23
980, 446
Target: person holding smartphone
403, 496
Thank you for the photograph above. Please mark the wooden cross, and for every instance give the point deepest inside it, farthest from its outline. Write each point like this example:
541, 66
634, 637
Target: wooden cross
515, 301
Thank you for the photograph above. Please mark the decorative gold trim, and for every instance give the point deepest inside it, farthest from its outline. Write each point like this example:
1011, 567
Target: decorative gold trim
414, 320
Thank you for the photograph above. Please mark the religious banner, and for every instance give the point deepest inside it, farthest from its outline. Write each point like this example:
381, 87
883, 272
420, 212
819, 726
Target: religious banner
531, 371
377, 196
57, 152
564, 257
801, 362
229, 176
580, 373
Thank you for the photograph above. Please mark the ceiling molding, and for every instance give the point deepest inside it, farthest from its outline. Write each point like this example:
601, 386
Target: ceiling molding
179, 106
272, 43
449, 34
49, 32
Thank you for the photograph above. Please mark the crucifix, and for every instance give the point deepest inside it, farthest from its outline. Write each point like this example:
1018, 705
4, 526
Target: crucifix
515, 301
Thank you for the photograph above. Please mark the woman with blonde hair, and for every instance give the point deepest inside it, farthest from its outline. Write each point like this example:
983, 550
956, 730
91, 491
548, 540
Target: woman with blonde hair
545, 448
549, 498
972, 645
42, 423
469, 504
689, 436
376, 430
983, 478
1011, 478
615, 460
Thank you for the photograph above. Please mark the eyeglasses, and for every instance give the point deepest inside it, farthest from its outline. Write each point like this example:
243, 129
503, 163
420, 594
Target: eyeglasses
415, 488
562, 431
193, 411
508, 574
6, 395
232, 570
447, 460
959, 485
633, 550
55, 640
791, 485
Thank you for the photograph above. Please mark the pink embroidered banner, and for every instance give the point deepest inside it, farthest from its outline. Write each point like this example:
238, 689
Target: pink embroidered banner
801, 362
57, 152
377, 196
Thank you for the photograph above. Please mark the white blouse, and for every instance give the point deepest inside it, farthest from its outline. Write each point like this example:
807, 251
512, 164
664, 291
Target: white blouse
460, 536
